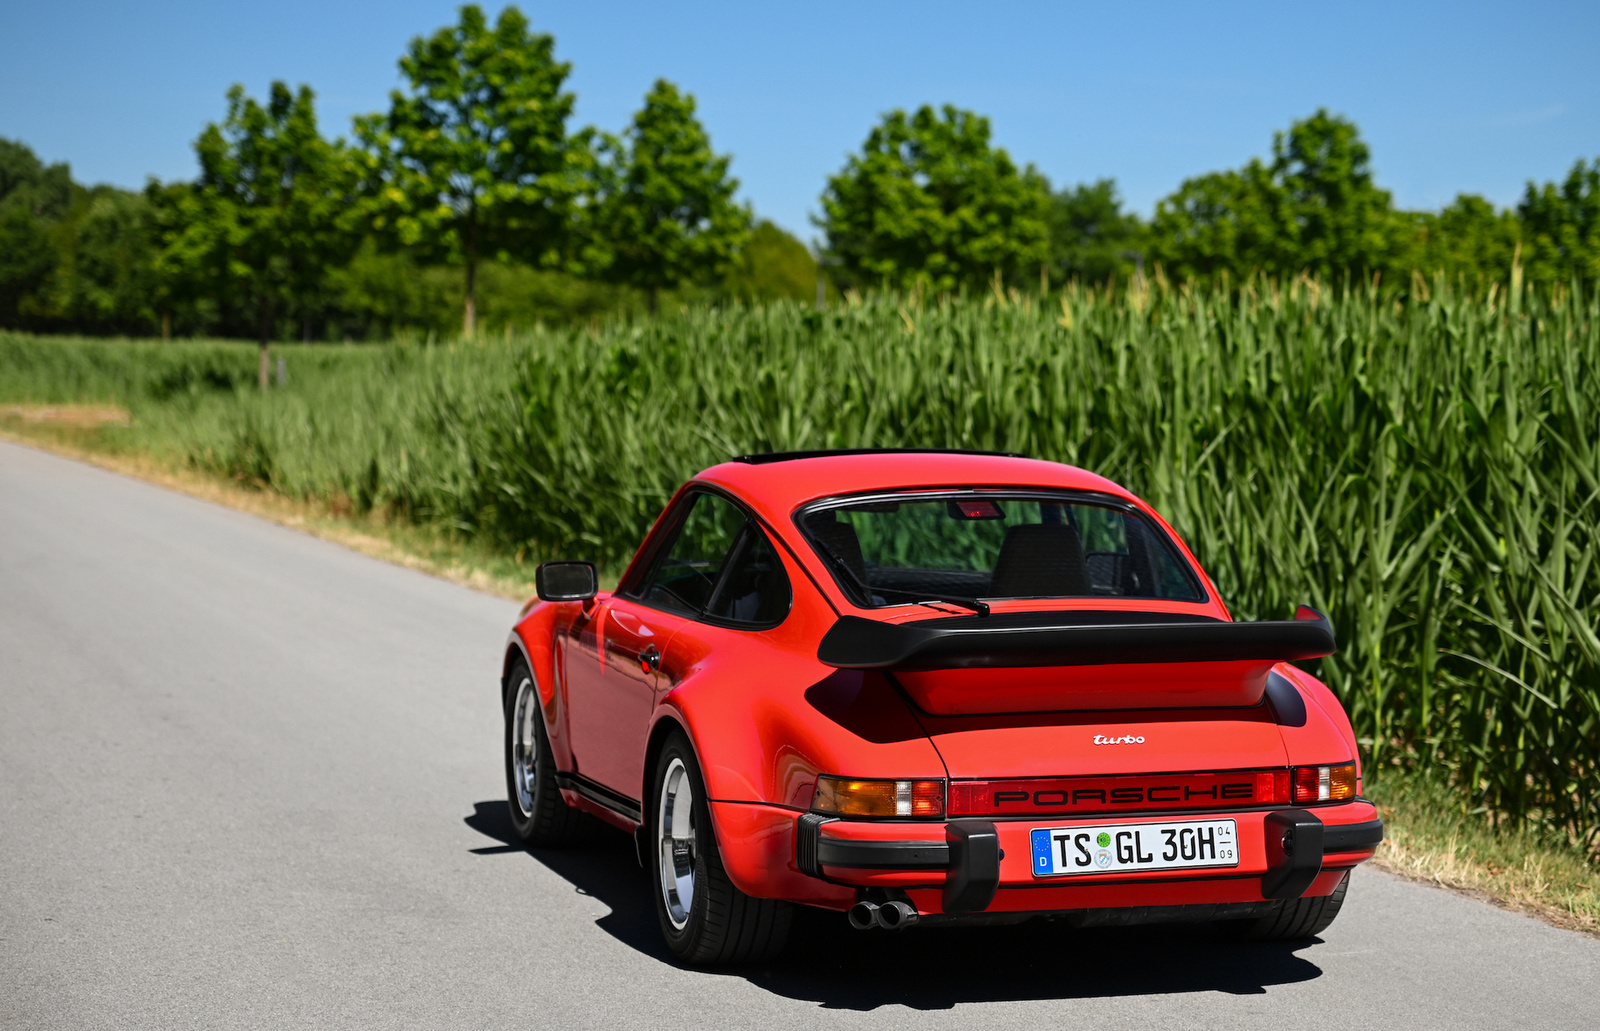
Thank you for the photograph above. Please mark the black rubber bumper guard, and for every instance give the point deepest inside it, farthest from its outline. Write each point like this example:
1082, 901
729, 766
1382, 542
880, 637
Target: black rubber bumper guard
970, 854
1296, 843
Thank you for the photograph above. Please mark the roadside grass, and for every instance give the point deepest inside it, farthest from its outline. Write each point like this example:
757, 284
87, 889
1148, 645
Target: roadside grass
1432, 834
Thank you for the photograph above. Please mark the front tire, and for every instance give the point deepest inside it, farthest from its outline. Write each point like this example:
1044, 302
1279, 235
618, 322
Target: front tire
539, 815
704, 918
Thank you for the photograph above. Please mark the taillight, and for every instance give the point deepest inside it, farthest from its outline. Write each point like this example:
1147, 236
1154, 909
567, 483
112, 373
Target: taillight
1272, 786
1324, 783
844, 796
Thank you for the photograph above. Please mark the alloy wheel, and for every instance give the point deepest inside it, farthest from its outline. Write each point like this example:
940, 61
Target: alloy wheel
676, 843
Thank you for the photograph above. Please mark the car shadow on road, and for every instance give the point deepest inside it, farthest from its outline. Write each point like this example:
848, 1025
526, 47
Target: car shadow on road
934, 968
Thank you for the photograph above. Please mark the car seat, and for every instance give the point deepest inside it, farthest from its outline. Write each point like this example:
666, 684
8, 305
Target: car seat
1038, 560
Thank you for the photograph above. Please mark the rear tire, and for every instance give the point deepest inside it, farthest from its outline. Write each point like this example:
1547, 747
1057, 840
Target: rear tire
539, 815
1296, 919
704, 918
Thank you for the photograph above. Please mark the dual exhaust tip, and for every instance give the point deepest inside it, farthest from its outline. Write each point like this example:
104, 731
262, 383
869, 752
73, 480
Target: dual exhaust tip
890, 916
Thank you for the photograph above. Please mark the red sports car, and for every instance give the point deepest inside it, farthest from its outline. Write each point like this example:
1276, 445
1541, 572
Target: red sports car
918, 686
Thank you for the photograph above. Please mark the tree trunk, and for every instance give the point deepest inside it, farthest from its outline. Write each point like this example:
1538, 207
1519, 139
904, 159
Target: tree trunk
655, 299
469, 313
166, 326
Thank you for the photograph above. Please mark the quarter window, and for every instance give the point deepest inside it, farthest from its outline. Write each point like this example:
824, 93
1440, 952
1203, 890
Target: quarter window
754, 589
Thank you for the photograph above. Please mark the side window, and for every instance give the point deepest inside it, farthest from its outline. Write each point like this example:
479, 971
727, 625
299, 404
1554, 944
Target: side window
684, 576
721, 565
755, 588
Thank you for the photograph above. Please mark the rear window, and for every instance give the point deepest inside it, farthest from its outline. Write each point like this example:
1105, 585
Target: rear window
994, 545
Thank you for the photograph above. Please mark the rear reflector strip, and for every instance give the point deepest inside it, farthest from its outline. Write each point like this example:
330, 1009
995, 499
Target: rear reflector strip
1224, 790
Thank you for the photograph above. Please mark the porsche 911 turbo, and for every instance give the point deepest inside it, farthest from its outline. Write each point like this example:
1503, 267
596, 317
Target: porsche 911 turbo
924, 687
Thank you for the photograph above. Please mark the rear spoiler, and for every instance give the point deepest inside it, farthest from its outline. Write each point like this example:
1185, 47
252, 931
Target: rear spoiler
1071, 638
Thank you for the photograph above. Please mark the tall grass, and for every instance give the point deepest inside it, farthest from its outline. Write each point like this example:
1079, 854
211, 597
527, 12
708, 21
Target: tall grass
1426, 472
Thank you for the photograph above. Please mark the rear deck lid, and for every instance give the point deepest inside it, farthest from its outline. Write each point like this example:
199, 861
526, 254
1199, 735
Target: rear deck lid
1076, 660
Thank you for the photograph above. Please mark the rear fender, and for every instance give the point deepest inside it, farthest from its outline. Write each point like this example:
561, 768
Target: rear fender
755, 841
775, 717
764, 718
1327, 736
774, 736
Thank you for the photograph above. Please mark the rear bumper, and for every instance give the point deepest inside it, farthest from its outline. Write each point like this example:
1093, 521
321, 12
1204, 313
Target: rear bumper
961, 866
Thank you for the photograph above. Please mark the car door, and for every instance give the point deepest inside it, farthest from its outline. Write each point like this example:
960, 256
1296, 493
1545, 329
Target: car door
614, 668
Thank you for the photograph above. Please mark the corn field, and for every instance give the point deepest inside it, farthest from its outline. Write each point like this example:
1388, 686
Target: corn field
1426, 470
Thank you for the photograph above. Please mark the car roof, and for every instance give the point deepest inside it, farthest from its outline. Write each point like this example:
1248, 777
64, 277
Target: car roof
781, 483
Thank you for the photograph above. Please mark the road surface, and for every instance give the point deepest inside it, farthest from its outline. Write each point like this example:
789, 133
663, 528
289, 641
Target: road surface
249, 779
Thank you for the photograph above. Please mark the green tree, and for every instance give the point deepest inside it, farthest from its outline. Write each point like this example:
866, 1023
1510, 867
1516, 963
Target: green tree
475, 160
666, 213
183, 256
34, 198
772, 265
265, 220
1090, 235
1468, 239
1314, 208
929, 200
1561, 226
109, 272
1222, 222
1338, 219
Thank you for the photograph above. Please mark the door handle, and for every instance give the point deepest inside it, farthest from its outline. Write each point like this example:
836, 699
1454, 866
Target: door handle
650, 659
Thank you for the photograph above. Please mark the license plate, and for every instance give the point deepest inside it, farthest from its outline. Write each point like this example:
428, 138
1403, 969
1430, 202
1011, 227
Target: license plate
1121, 847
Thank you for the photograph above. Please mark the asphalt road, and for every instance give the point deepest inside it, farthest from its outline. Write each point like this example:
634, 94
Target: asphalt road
251, 779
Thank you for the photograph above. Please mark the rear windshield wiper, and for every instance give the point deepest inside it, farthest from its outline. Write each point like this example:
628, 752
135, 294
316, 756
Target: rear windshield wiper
981, 608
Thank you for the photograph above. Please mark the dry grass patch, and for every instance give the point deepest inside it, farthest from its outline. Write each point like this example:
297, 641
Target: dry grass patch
73, 416
1430, 835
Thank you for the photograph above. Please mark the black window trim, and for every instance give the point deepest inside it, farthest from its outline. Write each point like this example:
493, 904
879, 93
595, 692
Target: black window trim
1088, 497
634, 591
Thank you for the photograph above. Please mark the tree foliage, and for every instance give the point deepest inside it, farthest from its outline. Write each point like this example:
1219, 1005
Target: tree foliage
1091, 237
33, 196
1467, 239
772, 265
267, 218
109, 279
1333, 217
1314, 208
930, 201
666, 213
1562, 226
470, 203
474, 159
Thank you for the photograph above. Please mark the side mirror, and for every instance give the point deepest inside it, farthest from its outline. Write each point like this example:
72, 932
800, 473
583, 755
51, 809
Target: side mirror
566, 581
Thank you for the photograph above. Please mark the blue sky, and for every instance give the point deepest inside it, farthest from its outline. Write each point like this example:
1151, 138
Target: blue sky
1452, 98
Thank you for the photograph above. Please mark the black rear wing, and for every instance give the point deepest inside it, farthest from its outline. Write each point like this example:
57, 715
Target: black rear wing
1071, 638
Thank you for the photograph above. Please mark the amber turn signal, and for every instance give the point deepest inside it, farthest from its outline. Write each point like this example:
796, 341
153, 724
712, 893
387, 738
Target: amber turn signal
1324, 783
843, 796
